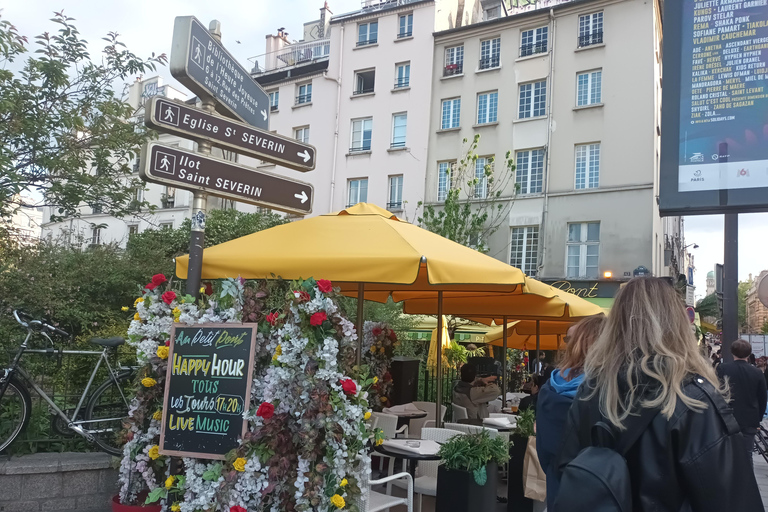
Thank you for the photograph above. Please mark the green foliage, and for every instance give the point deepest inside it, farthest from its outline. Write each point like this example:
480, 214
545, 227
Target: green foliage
708, 307
455, 354
525, 423
63, 131
390, 313
764, 328
473, 452
472, 211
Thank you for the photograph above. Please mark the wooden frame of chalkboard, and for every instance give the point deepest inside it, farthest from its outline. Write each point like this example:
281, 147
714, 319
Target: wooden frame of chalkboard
218, 407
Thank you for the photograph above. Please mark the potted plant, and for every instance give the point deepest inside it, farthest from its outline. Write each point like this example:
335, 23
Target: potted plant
516, 499
467, 478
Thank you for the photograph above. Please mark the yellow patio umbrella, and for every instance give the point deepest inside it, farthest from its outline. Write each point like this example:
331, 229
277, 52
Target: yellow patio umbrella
521, 334
443, 342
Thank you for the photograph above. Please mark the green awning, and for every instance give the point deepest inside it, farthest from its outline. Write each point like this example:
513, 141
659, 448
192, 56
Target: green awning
603, 302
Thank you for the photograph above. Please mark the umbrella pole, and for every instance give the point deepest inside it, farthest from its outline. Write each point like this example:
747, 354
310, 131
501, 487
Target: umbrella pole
538, 341
504, 368
360, 321
439, 383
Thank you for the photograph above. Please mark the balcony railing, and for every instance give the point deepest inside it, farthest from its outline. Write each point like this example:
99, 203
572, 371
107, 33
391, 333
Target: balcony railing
402, 82
362, 91
404, 33
361, 148
532, 49
489, 62
395, 145
395, 205
368, 42
303, 98
292, 55
453, 69
590, 39
273, 108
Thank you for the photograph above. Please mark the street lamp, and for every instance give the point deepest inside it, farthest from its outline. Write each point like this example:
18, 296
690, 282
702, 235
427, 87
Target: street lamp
695, 246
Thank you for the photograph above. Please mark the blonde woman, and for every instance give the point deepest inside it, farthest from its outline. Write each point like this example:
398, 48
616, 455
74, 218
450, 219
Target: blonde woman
690, 456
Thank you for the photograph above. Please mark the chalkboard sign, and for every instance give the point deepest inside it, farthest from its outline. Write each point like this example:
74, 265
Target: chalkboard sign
207, 389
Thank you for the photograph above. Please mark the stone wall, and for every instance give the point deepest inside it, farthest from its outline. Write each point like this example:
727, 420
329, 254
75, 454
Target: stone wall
52, 482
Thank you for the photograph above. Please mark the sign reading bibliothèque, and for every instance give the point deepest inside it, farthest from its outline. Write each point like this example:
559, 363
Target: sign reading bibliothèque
207, 389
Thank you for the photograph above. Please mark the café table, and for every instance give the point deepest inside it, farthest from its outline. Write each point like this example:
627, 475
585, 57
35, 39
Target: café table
413, 457
405, 417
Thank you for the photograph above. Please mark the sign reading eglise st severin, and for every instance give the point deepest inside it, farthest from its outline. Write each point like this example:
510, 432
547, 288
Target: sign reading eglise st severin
180, 119
202, 64
193, 171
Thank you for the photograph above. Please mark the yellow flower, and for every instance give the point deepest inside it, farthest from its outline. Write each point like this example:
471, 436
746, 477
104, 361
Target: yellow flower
140, 299
375, 380
148, 382
154, 452
383, 399
176, 311
379, 442
382, 350
169, 482
176, 507
162, 352
124, 308
239, 464
337, 501
136, 316
373, 350
158, 415
343, 482
202, 289
525, 353
279, 350
367, 415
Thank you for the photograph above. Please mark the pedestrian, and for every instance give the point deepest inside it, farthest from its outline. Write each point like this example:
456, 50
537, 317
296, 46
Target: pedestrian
556, 397
539, 362
762, 365
689, 455
748, 391
474, 393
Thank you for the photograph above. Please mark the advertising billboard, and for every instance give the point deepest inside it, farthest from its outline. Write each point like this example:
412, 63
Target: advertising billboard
714, 147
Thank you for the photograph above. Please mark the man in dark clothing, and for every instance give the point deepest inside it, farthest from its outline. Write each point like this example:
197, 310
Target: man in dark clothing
529, 402
748, 391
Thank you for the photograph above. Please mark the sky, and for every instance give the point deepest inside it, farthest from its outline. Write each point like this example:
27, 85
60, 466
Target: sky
147, 26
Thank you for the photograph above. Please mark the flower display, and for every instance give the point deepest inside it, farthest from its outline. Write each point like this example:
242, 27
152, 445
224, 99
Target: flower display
266, 410
168, 297
379, 341
158, 279
324, 286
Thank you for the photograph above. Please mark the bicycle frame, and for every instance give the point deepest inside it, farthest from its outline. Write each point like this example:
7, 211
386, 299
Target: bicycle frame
76, 426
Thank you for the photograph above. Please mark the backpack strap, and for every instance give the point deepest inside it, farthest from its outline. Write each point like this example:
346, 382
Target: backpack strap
724, 411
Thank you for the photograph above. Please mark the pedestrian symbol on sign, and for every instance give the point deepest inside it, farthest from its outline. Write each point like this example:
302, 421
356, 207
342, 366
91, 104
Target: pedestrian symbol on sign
198, 52
165, 162
170, 114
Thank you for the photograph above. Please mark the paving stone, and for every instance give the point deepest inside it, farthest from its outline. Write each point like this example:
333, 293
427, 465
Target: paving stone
58, 504
48, 486
79, 483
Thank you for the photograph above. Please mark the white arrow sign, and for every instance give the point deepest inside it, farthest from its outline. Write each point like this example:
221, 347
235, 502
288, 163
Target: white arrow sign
264, 113
305, 155
302, 196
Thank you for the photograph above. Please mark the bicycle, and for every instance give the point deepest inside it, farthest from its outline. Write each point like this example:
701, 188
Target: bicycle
104, 412
761, 442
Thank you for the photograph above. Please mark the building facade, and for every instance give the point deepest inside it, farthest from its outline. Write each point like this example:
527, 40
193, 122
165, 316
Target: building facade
572, 92
25, 221
757, 312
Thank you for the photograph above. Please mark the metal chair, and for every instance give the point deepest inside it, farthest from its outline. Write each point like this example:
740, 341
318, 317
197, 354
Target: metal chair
372, 501
415, 425
459, 412
388, 424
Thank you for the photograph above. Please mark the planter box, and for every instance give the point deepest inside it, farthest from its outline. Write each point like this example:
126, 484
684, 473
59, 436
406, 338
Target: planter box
516, 500
458, 492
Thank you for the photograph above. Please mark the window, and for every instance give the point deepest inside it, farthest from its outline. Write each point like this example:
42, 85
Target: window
305, 94
399, 122
525, 249
367, 33
406, 26
454, 61
301, 134
490, 50
529, 174
533, 41
364, 81
358, 192
395, 193
481, 187
138, 195
168, 197
95, 236
533, 100
361, 135
487, 107
133, 229
97, 208
587, 166
403, 75
590, 29
444, 179
583, 250
451, 114
589, 88
166, 225
274, 100
492, 13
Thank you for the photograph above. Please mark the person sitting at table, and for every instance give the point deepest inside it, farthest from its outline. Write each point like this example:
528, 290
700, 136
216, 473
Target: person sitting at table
474, 393
529, 402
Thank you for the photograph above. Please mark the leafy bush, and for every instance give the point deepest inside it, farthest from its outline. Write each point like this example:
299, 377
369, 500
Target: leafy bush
473, 452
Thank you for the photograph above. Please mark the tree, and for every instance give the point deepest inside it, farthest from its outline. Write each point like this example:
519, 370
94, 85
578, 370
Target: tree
63, 131
764, 328
708, 307
474, 207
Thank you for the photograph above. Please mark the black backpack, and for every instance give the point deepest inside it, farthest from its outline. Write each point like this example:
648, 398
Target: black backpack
598, 480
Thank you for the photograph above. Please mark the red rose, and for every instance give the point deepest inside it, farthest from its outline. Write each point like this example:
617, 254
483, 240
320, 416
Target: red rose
387, 376
266, 410
517, 368
151, 286
167, 343
302, 296
525, 360
318, 318
393, 335
325, 286
272, 318
168, 297
208, 289
237, 508
349, 386
158, 279
376, 331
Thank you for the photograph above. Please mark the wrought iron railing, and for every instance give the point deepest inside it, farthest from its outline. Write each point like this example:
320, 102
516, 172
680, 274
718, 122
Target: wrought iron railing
590, 39
453, 69
532, 49
489, 62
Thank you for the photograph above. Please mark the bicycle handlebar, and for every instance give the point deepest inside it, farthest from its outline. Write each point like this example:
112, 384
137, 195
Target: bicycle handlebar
28, 321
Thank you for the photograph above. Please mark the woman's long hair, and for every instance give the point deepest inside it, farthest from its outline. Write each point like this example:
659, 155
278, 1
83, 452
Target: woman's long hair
645, 352
580, 338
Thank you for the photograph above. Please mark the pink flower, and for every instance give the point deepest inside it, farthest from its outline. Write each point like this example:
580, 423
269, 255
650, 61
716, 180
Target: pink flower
318, 318
272, 318
158, 279
325, 286
349, 386
168, 297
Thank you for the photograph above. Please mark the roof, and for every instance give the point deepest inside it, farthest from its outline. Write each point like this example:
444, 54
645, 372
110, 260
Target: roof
379, 8
291, 73
711, 273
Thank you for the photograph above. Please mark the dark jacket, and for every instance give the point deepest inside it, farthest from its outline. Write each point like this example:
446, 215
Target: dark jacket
693, 462
528, 402
748, 393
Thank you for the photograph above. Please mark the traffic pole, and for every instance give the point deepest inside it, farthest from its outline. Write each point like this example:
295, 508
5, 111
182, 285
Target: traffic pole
730, 284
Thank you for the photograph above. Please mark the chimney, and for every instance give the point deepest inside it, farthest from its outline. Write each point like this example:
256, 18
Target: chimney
324, 19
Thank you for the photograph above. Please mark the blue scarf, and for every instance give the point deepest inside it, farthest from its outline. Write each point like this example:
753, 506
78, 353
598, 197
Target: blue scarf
565, 387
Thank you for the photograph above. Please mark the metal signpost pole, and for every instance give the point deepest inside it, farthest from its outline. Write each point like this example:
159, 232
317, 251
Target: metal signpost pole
730, 284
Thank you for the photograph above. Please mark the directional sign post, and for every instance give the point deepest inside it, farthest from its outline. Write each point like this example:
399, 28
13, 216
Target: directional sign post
200, 62
179, 119
194, 171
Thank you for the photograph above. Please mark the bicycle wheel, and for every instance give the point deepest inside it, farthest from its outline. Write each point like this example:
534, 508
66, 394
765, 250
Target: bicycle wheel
106, 410
762, 444
15, 410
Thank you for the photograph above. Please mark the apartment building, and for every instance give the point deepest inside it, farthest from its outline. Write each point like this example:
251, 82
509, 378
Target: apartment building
573, 92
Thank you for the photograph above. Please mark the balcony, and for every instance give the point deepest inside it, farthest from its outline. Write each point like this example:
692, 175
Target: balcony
397, 145
489, 62
361, 148
367, 42
301, 99
366, 90
402, 82
404, 33
591, 39
453, 69
533, 49
293, 55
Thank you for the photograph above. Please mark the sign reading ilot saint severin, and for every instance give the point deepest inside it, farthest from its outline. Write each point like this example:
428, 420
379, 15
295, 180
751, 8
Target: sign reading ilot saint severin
207, 389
